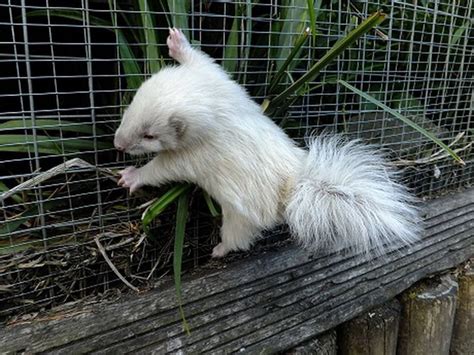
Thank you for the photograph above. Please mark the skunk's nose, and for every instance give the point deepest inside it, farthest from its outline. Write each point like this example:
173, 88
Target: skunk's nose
119, 145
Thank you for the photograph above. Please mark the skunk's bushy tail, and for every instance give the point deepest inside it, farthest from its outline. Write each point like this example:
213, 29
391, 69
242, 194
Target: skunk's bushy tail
346, 196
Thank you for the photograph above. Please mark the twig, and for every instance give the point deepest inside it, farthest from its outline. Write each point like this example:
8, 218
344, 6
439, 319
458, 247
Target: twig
140, 241
112, 266
59, 169
119, 244
438, 155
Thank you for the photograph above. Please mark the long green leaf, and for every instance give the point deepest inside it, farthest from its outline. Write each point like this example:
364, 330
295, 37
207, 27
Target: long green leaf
454, 40
179, 15
151, 51
337, 49
12, 225
127, 58
404, 119
50, 125
312, 21
181, 218
16, 198
19, 246
160, 205
210, 205
24, 143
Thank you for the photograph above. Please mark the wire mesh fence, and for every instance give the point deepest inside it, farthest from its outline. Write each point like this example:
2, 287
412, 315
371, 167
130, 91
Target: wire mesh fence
69, 68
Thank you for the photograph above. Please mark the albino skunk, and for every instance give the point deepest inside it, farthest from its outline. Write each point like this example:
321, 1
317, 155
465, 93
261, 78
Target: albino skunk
205, 129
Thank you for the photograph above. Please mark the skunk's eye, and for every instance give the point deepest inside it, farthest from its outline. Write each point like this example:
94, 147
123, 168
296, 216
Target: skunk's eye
148, 136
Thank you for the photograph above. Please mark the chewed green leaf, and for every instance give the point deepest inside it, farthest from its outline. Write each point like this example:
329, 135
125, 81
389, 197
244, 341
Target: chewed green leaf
152, 55
404, 119
164, 201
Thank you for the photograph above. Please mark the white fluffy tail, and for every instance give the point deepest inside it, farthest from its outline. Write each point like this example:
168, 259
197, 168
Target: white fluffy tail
346, 196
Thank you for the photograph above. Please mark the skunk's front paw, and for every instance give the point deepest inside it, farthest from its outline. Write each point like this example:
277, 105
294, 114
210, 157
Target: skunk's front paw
177, 44
219, 251
130, 178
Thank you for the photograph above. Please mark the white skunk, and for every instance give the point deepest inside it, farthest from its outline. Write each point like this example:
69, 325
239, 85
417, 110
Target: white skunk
207, 130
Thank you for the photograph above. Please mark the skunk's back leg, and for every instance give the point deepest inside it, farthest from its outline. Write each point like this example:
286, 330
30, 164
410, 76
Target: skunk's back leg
237, 233
182, 52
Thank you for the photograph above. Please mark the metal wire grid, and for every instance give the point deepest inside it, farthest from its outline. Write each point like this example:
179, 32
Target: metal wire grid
70, 71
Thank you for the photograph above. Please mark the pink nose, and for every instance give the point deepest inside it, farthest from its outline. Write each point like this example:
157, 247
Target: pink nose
118, 145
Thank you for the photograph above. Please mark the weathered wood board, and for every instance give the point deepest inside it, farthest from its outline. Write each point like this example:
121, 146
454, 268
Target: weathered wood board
270, 302
373, 332
426, 322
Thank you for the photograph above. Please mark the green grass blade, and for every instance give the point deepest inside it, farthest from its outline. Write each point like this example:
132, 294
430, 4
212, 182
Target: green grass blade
454, 40
160, 205
180, 232
179, 15
404, 119
127, 58
12, 225
294, 20
134, 75
33, 212
50, 125
7, 249
151, 50
24, 143
335, 51
211, 205
312, 21
70, 14
16, 198
300, 41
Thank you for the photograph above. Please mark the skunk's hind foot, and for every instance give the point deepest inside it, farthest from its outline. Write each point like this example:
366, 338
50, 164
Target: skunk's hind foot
177, 44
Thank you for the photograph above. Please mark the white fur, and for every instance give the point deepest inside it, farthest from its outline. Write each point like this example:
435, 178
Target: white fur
206, 130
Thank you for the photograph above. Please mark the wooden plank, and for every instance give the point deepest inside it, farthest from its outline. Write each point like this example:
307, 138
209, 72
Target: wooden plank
463, 341
373, 332
427, 320
324, 344
272, 301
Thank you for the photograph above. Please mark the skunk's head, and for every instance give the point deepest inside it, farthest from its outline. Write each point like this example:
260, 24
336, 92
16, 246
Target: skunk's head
152, 122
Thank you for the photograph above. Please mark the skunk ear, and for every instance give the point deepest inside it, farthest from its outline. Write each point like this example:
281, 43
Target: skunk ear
178, 125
